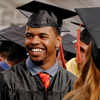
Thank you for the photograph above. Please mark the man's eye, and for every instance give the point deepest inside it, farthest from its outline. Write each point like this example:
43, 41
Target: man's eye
43, 36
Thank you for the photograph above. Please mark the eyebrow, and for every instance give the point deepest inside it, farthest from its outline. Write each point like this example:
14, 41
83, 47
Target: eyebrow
28, 33
43, 34
39, 33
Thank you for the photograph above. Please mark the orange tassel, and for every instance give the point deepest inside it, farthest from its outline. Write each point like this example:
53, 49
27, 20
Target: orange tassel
60, 58
78, 44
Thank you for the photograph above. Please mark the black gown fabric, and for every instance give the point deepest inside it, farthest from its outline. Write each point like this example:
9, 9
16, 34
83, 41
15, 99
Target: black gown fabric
1, 69
17, 83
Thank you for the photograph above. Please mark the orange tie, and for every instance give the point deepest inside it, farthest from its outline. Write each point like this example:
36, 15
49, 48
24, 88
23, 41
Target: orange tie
45, 78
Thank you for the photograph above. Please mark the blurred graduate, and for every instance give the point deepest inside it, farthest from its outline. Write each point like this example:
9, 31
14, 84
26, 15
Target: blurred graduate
74, 65
87, 86
5, 44
17, 52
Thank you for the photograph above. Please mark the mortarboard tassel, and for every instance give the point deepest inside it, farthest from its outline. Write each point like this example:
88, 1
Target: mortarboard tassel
60, 58
78, 44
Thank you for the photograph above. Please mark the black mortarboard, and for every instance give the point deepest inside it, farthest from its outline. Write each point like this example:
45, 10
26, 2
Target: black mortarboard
84, 36
68, 46
28, 14
12, 27
67, 42
91, 19
17, 36
5, 43
45, 15
3, 39
64, 29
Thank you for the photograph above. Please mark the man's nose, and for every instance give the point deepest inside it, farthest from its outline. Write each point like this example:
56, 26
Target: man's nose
35, 40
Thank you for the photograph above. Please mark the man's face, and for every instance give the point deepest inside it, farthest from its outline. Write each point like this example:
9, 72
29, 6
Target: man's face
83, 48
41, 44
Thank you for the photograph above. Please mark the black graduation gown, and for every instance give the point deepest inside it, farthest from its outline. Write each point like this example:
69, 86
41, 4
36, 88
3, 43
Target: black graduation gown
17, 83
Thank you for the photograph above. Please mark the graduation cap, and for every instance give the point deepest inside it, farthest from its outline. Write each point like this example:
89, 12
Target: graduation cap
28, 15
5, 44
3, 39
68, 46
12, 27
91, 19
67, 43
84, 35
16, 36
43, 15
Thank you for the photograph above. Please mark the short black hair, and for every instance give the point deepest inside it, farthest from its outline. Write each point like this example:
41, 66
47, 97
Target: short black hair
56, 31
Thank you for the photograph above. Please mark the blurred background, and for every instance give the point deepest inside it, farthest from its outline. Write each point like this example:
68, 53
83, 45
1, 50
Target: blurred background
9, 15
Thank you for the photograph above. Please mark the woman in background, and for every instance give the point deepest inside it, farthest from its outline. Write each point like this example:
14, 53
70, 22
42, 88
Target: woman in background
87, 86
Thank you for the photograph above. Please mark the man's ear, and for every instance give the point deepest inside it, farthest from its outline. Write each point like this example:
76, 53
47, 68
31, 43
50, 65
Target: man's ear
58, 40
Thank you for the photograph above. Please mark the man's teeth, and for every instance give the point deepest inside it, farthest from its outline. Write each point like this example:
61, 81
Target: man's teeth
37, 50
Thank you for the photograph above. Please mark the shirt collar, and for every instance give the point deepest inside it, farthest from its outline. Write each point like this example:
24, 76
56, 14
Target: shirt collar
35, 69
4, 65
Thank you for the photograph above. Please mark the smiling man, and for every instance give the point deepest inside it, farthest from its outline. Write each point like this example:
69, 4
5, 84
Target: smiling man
39, 77
41, 45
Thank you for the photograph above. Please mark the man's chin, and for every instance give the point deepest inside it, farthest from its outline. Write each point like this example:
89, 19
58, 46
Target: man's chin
37, 62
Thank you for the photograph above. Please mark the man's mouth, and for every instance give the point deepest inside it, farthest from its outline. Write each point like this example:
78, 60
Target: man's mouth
37, 50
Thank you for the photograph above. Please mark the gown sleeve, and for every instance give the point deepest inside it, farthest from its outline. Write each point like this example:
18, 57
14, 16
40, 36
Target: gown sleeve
1, 81
3, 89
1, 69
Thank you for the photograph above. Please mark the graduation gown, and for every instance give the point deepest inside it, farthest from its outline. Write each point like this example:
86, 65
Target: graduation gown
1, 69
17, 83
